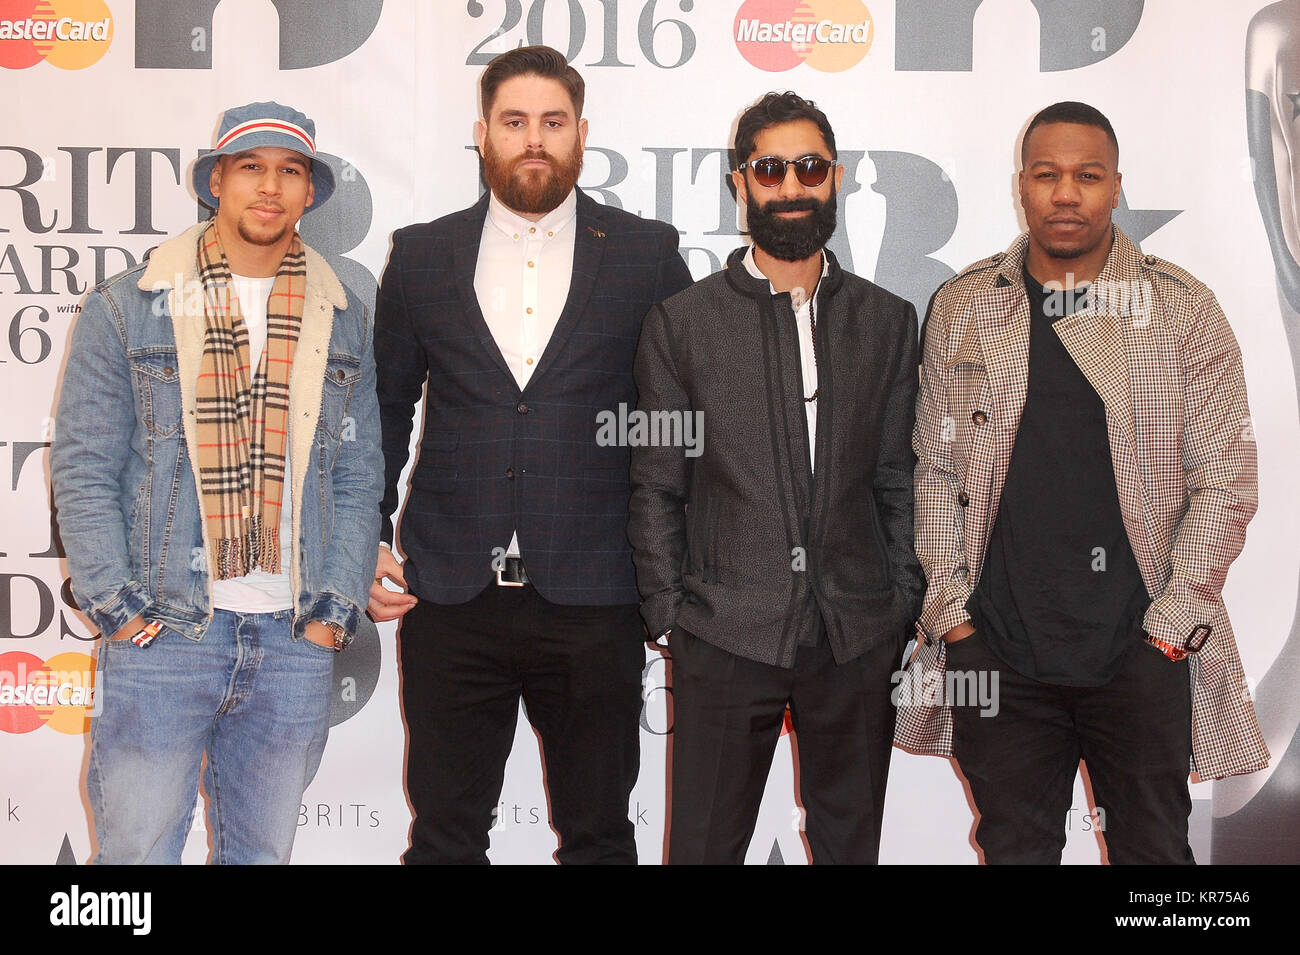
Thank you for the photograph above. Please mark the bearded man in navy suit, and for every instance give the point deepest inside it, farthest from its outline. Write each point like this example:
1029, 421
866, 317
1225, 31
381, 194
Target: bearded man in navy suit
522, 314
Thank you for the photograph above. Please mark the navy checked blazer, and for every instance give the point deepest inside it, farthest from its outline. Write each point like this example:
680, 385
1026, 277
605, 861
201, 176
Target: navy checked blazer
494, 459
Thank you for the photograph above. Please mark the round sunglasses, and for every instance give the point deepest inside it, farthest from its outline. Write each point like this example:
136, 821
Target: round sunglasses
809, 170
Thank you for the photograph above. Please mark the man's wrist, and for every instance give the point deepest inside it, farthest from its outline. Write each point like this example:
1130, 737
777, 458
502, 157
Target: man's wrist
341, 637
959, 632
338, 636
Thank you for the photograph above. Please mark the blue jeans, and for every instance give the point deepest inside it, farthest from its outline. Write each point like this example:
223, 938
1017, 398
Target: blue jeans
247, 695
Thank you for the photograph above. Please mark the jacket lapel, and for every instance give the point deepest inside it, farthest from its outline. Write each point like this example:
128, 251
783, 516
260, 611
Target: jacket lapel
1095, 340
1102, 339
464, 264
588, 250
1001, 320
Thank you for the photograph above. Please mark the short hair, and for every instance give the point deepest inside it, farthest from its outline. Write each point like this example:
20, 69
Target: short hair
775, 109
1070, 112
531, 61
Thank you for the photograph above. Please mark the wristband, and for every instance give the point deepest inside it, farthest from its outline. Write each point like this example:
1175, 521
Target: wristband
146, 634
1168, 649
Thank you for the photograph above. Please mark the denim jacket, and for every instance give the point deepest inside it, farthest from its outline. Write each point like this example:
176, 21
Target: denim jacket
125, 489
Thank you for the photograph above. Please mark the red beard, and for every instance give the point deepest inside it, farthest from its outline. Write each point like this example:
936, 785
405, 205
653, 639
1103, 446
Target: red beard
532, 191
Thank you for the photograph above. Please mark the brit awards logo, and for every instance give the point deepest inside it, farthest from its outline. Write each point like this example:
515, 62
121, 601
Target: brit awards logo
828, 35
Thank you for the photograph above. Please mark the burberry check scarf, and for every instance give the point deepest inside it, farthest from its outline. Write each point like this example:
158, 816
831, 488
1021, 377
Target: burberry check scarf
243, 425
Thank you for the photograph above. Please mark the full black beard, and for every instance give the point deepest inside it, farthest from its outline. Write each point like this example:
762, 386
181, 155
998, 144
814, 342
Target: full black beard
792, 240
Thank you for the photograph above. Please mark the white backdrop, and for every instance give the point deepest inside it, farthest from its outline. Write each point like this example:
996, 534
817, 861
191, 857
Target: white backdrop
95, 150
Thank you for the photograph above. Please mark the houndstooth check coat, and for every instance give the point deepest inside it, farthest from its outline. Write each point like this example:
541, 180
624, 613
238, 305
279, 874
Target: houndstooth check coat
1158, 350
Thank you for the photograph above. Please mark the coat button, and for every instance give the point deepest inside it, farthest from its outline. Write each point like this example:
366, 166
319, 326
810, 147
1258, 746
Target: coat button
979, 418
340, 374
962, 499
522, 408
510, 473
169, 370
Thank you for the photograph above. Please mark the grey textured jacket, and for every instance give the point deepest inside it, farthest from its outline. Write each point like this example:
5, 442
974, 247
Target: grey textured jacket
741, 541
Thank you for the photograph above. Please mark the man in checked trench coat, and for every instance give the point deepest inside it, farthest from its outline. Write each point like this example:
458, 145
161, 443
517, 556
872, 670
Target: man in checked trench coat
1086, 470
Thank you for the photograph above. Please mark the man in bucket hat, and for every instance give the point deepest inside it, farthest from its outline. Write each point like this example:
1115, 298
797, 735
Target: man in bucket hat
216, 473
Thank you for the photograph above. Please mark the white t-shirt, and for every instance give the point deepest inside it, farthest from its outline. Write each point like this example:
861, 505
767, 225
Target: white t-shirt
258, 591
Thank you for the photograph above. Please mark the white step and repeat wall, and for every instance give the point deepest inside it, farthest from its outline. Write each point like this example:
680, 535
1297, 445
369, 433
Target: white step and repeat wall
927, 97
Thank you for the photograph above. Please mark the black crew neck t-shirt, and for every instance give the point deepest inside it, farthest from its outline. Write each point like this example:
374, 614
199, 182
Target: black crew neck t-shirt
1060, 596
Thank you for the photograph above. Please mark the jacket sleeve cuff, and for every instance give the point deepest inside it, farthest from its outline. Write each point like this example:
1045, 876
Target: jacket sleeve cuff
660, 613
120, 609
331, 608
1165, 621
943, 614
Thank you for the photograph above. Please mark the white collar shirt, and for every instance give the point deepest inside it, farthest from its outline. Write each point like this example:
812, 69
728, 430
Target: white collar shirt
522, 279
807, 354
522, 282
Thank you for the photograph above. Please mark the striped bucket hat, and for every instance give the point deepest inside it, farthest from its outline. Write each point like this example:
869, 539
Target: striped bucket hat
264, 124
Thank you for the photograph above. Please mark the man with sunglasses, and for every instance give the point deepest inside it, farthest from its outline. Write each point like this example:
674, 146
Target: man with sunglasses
522, 314
775, 557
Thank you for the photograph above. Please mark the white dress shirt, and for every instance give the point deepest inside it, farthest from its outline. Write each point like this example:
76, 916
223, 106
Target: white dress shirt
807, 356
522, 282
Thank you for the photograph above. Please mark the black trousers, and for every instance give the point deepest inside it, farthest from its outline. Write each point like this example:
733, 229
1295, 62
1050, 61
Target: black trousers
1134, 734
464, 668
727, 716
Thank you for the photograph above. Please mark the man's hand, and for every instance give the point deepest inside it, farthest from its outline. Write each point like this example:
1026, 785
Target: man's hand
959, 632
133, 626
385, 604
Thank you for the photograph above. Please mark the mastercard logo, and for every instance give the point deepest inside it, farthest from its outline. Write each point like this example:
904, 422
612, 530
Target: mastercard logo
69, 34
828, 35
58, 692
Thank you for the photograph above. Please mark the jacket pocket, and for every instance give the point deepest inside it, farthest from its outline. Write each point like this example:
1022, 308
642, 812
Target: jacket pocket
159, 385
439, 441
342, 372
882, 549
